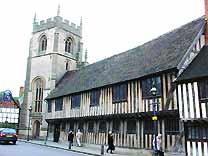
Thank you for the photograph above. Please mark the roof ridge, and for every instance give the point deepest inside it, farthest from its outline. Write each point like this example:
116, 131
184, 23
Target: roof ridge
135, 63
143, 44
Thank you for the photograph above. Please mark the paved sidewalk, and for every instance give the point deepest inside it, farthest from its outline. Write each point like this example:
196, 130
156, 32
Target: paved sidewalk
95, 150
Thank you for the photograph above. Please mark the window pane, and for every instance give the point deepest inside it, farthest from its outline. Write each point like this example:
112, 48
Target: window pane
116, 126
91, 127
75, 101
80, 126
119, 93
94, 97
58, 104
202, 89
131, 126
102, 126
147, 84
49, 106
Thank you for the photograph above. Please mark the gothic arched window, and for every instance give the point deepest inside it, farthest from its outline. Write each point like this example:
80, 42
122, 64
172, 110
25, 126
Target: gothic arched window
38, 94
68, 45
43, 43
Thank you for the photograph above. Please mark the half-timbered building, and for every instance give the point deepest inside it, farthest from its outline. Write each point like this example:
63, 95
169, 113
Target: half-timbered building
193, 107
114, 94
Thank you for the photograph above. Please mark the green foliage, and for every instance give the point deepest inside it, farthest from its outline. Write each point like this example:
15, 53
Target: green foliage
43, 129
8, 125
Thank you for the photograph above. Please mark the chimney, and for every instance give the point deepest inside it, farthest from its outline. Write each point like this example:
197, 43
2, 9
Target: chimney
206, 17
21, 91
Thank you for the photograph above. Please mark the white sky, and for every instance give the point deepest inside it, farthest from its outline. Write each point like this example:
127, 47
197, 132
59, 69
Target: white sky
109, 27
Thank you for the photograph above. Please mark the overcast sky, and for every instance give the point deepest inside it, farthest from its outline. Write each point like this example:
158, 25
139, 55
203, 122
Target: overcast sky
109, 27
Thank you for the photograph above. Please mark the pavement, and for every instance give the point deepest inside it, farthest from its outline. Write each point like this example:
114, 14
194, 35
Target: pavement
95, 150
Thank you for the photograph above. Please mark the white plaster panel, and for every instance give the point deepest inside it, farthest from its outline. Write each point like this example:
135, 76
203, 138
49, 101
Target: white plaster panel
180, 101
185, 101
191, 100
196, 100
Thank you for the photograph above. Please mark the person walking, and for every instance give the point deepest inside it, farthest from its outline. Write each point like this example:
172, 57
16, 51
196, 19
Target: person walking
159, 145
78, 136
70, 139
111, 146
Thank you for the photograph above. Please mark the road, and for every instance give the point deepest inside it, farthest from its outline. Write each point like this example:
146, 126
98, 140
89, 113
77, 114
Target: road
27, 149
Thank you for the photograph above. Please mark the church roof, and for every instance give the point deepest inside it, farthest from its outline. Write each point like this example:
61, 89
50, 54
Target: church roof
160, 54
197, 68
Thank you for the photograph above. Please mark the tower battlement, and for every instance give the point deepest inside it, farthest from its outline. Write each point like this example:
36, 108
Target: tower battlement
57, 21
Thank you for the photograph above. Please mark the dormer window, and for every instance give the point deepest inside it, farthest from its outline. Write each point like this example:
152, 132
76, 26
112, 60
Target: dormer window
68, 45
43, 43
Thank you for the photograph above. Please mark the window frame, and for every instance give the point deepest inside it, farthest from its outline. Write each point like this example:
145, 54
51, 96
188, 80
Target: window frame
68, 45
148, 126
203, 90
49, 106
102, 127
119, 93
81, 126
196, 133
89, 127
172, 126
59, 104
75, 101
95, 97
116, 125
147, 84
131, 129
38, 94
63, 126
43, 43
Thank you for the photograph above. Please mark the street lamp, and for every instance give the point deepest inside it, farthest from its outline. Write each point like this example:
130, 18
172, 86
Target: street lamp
6, 122
28, 132
153, 92
48, 123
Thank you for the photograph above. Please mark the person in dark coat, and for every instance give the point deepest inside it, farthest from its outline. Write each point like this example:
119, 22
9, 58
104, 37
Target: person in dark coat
70, 139
111, 146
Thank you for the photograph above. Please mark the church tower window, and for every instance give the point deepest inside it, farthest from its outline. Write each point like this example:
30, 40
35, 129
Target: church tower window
68, 45
38, 94
43, 43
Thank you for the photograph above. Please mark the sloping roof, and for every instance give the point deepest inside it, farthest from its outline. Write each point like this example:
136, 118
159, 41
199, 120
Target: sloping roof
197, 68
162, 53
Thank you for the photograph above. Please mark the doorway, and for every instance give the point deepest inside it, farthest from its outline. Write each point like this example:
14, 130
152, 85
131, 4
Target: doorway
36, 130
56, 134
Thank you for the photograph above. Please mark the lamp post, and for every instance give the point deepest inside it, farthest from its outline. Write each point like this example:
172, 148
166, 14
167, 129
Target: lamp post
153, 92
28, 132
48, 123
6, 122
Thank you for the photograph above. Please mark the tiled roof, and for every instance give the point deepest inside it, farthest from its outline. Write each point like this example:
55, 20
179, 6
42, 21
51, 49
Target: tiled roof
162, 53
197, 68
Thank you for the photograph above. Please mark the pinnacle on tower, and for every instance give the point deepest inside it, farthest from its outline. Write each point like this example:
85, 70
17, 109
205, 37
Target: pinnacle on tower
86, 55
34, 19
58, 11
81, 22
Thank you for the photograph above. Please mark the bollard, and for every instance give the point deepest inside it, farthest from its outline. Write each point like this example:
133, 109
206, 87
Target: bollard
102, 149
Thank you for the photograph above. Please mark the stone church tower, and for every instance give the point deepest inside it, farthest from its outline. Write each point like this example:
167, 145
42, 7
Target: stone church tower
55, 47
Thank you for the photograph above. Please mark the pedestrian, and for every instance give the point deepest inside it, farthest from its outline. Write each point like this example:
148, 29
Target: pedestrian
70, 138
78, 137
111, 146
158, 147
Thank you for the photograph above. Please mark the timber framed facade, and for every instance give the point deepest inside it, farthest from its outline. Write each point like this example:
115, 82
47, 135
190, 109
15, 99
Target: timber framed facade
192, 86
131, 116
114, 94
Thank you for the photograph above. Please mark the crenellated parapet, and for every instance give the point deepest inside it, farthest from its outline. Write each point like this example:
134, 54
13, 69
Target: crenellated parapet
57, 21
